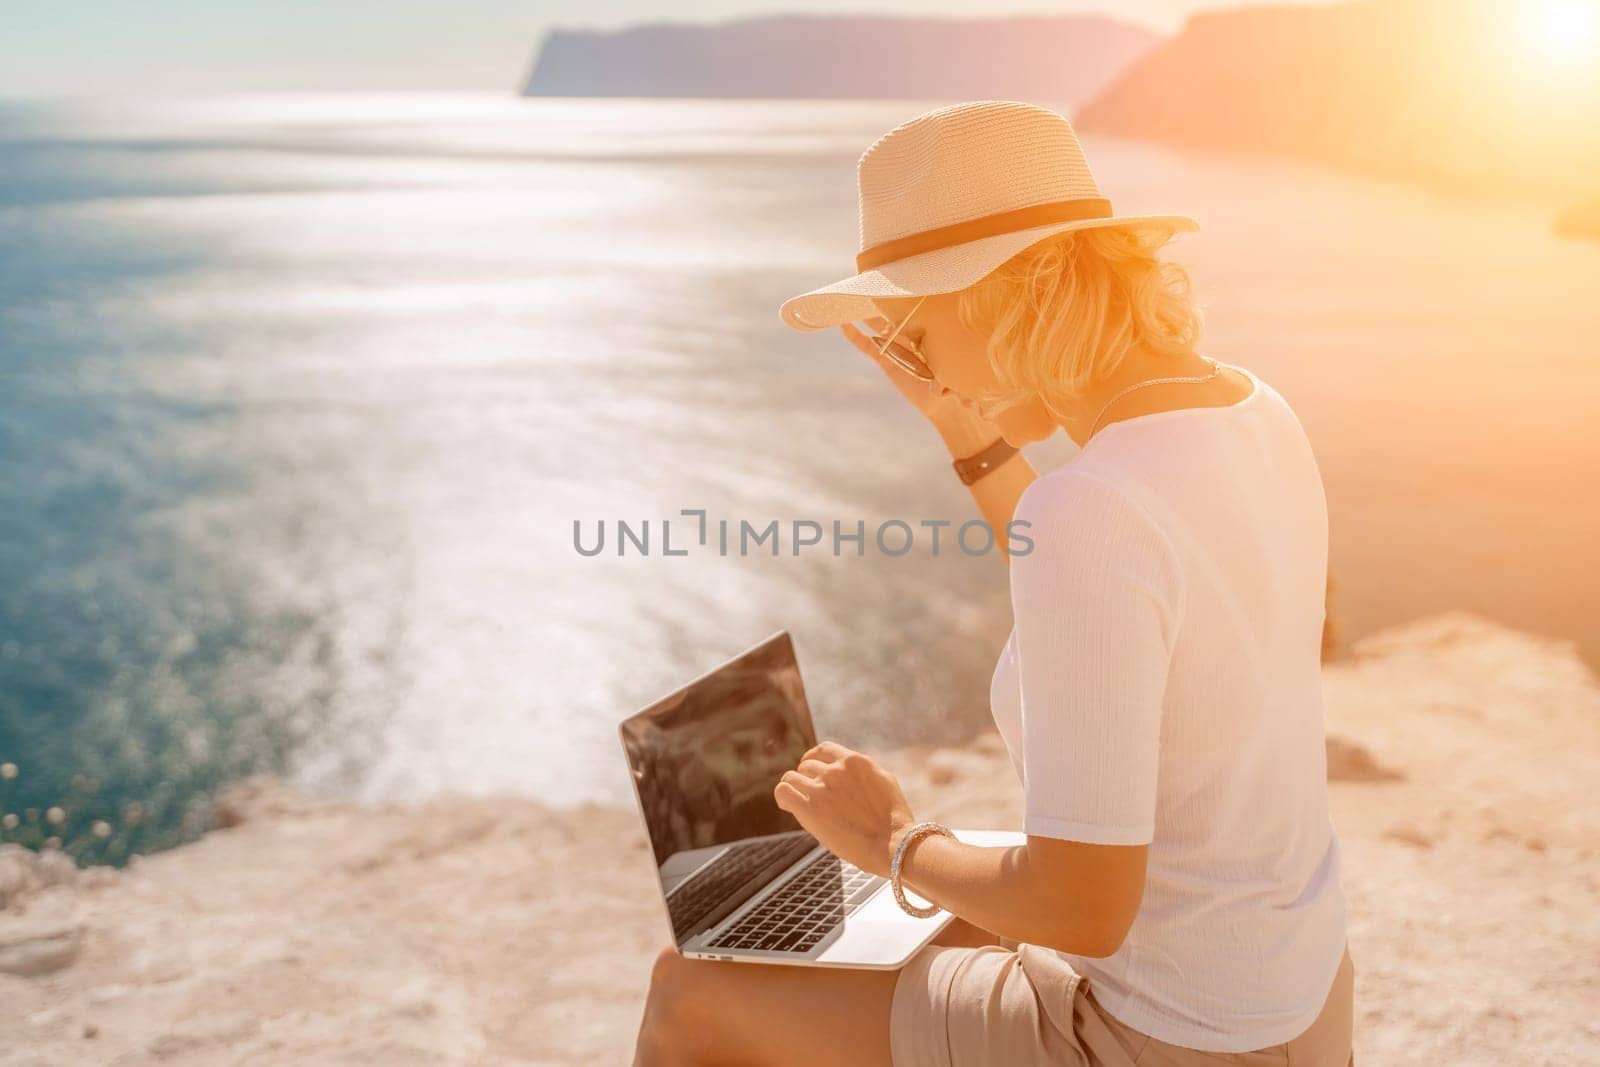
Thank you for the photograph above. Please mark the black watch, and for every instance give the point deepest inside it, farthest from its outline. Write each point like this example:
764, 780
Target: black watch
972, 468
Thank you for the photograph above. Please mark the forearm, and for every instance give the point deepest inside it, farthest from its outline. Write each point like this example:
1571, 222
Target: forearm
998, 491
999, 890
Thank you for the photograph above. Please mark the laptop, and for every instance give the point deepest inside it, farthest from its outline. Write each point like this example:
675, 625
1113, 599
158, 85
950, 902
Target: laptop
741, 880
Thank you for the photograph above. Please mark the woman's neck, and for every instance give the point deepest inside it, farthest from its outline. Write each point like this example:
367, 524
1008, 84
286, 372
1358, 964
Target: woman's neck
1141, 366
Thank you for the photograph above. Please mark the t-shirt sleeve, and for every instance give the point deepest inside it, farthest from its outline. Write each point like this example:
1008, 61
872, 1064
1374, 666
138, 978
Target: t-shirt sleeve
1097, 601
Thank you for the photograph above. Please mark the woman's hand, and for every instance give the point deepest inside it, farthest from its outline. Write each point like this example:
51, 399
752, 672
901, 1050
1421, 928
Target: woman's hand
849, 803
964, 432
930, 398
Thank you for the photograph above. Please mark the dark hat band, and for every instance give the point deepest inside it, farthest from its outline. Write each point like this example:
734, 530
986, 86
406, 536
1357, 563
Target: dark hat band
1022, 218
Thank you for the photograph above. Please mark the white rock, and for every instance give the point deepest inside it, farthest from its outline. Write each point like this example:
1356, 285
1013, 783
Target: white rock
31, 949
106, 994
17, 877
55, 868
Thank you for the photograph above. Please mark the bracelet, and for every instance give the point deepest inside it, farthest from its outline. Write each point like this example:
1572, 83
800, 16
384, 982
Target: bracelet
921, 830
976, 466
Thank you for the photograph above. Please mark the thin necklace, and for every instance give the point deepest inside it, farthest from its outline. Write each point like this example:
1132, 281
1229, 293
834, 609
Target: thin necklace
1216, 369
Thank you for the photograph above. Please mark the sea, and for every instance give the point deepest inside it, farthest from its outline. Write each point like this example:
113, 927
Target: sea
311, 407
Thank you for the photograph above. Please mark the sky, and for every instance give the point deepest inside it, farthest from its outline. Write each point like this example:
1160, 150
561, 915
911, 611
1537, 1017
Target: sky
113, 47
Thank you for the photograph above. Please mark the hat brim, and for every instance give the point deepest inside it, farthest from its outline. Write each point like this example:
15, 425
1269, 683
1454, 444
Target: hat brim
944, 270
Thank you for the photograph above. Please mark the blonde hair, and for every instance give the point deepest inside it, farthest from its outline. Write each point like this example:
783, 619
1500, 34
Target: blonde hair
1064, 313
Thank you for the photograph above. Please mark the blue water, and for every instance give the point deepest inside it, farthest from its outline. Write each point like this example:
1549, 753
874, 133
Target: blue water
300, 396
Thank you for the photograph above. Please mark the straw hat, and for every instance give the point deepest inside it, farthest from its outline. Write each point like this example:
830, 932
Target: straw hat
948, 196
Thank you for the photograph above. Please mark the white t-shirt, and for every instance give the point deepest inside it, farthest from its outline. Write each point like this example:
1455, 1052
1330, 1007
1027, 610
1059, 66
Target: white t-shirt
1162, 685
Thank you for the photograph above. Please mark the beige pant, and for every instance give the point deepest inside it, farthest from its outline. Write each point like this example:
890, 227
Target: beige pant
960, 1006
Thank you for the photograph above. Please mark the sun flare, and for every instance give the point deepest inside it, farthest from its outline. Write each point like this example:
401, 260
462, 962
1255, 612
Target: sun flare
1563, 32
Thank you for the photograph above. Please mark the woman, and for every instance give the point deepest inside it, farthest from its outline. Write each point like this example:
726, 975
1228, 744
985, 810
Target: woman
1177, 900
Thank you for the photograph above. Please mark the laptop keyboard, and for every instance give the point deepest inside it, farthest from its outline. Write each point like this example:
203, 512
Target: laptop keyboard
711, 885
804, 910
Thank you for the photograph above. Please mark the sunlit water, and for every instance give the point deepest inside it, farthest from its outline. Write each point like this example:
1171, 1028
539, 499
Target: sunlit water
300, 397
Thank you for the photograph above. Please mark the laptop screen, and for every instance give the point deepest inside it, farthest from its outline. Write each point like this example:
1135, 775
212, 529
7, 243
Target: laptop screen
705, 761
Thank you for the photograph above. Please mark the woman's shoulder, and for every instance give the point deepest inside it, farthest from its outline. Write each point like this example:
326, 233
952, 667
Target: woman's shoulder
1076, 479
1085, 501
1110, 477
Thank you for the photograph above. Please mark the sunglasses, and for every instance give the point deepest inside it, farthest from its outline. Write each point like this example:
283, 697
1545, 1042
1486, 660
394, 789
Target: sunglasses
905, 354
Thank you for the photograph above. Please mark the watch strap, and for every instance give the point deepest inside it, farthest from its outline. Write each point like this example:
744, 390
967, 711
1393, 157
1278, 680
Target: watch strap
976, 466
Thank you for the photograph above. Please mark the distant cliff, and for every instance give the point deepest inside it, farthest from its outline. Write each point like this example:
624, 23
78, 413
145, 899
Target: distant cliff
1046, 59
1446, 91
